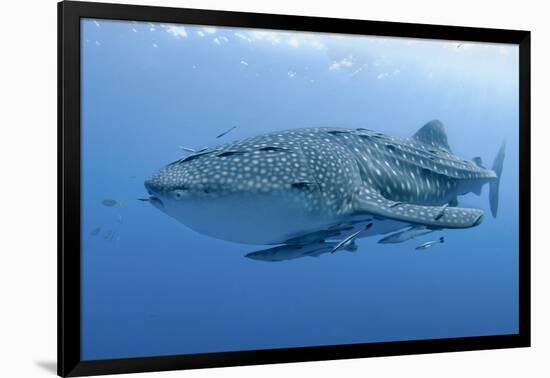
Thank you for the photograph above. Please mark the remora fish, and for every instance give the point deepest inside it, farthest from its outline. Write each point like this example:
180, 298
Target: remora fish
289, 184
350, 239
226, 132
430, 244
409, 233
192, 150
109, 202
290, 252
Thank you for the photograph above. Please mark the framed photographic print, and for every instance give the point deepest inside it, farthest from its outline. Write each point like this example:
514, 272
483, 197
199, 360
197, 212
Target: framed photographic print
239, 188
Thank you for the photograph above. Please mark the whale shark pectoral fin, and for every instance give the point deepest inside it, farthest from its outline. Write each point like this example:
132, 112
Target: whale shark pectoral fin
371, 202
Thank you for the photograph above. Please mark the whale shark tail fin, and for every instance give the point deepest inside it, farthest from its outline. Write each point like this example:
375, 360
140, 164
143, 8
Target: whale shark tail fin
494, 185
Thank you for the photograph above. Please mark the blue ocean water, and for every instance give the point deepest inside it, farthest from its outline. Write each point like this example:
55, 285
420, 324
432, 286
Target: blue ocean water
151, 286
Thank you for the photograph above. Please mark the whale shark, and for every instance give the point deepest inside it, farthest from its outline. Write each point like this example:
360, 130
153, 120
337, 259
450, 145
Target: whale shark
308, 186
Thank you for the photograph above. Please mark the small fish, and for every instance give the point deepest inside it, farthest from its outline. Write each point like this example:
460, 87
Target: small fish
431, 243
401, 236
109, 202
314, 237
192, 150
119, 218
347, 242
227, 132
459, 45
143, 199
291, 252
95, 231
111, 235
441, 212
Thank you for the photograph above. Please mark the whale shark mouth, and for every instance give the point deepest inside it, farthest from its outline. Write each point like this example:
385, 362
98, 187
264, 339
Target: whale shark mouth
155, 201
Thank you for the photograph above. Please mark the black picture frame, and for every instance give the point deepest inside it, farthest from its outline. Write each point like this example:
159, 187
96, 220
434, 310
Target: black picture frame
69, 268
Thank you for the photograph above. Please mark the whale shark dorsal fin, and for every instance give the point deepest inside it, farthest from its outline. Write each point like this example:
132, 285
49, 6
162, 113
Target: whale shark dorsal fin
478, 161
433, 134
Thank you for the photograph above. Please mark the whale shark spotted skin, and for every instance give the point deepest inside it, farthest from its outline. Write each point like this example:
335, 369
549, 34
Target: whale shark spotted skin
310, 185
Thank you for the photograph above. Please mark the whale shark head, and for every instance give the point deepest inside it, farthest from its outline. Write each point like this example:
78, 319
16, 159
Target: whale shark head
254, 191
209, 176
192, 189
183, 181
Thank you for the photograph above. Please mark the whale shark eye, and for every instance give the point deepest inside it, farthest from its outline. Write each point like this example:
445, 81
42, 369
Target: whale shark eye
178, 194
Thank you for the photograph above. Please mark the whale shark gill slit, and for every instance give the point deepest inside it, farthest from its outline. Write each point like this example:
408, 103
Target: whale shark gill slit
303, 185
273, 149
362, 172
231, 153
390, 147
338, 132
